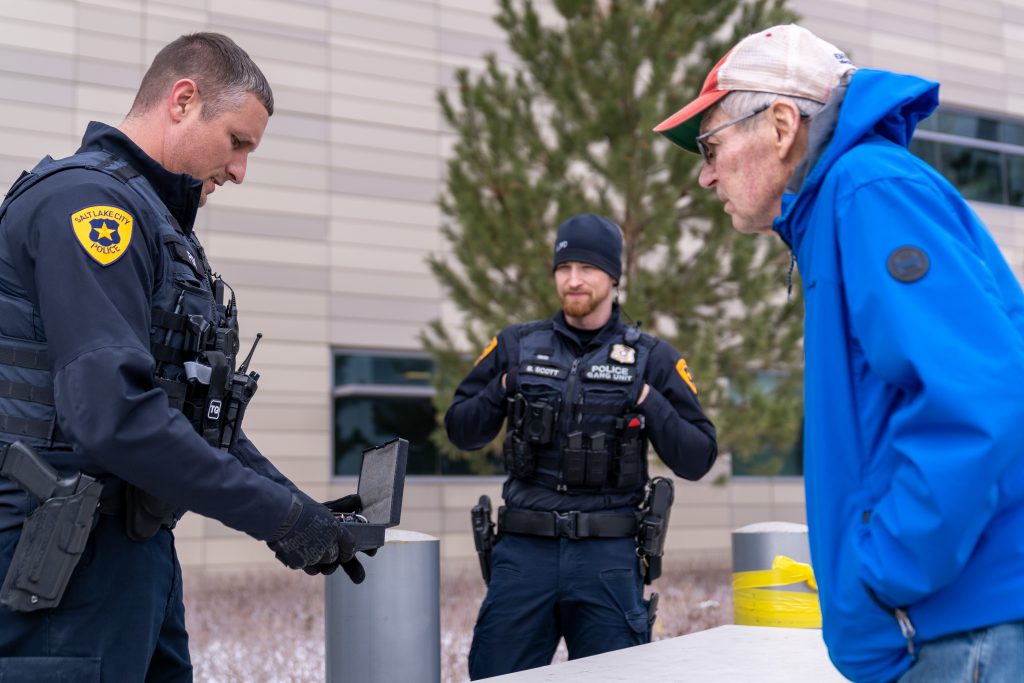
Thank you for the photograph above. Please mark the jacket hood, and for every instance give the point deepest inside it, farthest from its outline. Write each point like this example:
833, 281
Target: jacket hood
868, 103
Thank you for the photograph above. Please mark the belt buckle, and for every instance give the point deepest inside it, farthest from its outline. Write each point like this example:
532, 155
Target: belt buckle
565, 524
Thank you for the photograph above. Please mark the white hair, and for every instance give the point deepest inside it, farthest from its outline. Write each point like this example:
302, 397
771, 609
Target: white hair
741, 102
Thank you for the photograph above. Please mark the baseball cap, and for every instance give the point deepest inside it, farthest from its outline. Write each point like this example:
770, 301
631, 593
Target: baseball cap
785, 60
588, 238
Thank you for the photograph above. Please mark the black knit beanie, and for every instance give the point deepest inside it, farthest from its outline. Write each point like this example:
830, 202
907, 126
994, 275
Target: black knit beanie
590, 239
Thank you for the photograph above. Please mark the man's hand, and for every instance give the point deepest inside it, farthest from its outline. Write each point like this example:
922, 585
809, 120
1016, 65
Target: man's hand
312, 537
351, 503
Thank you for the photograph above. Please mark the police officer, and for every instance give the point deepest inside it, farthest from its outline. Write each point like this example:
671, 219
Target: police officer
118, 358
582, 393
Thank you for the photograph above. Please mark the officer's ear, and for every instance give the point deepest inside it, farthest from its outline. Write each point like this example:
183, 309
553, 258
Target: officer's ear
184, 100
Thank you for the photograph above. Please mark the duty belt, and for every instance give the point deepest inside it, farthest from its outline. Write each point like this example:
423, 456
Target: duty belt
572, 525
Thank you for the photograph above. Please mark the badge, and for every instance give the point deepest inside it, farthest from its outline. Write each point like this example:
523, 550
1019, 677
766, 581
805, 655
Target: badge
103, 231
490, 347
908, 264
621, 353
684, 372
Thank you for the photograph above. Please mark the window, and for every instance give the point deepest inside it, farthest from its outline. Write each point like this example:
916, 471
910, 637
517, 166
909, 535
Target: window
379, 397
981, 155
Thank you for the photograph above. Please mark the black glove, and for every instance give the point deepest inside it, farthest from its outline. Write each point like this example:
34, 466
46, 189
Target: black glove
311, 536
351, 503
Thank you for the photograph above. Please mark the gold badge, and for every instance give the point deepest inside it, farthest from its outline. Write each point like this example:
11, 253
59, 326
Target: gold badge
103, 231
623, 354
684, 372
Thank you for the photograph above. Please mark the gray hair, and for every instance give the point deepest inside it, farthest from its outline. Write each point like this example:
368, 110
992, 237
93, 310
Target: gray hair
223, 73
740, 102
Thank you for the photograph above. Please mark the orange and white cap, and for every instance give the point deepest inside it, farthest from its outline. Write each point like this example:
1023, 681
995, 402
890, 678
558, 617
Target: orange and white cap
785, 60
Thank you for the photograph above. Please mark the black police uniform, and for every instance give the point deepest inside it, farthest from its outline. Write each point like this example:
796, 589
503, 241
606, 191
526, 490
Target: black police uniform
106, 300
576, 443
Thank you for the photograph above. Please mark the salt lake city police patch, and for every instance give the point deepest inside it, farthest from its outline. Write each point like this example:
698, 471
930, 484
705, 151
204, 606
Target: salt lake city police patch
103, 231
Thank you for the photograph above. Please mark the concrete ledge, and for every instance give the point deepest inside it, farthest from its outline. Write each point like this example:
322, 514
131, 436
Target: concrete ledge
727, 654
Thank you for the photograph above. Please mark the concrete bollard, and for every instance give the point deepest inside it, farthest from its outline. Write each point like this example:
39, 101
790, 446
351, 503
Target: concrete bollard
388, 628
773, 584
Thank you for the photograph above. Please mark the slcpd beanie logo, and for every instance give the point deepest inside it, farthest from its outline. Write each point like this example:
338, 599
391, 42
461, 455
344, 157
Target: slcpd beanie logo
592, 239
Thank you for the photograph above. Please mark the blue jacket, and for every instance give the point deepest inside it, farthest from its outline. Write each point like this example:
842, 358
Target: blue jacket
914, 390
94, 320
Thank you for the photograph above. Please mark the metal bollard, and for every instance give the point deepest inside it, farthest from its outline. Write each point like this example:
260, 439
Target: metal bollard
388, 628
773, 584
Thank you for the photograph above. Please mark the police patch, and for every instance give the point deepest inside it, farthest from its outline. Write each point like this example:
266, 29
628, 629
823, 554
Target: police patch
908, 264
684, 372
490, 347
610, 373
621, 353
103, 231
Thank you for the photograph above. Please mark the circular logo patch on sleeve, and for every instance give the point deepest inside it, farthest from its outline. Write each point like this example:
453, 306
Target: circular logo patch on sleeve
103, 231
908, 264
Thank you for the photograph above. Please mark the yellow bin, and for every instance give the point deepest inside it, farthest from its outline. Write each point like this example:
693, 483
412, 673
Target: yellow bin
772, 582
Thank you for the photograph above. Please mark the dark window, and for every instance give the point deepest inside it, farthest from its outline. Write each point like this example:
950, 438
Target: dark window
1015, 179
977, 173
378, 397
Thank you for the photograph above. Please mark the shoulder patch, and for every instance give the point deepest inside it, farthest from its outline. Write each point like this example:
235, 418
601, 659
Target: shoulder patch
908, 264
103, 231
490, 347
684, 372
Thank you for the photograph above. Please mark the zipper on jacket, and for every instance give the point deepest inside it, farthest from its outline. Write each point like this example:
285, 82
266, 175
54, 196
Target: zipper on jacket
901, 617
570, 387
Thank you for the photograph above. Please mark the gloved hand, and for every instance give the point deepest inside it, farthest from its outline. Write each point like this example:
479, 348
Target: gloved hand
312, 537
351, 503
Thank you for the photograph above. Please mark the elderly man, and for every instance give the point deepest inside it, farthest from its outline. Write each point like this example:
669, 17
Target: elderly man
914, 437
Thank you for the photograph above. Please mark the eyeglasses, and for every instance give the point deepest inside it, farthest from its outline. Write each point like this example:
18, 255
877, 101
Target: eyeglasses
702, 145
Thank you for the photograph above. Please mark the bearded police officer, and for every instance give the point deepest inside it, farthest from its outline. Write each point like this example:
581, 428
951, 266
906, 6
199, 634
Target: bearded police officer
582, 393
120, 383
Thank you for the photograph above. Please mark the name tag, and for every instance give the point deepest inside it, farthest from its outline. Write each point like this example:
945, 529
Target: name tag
551, 371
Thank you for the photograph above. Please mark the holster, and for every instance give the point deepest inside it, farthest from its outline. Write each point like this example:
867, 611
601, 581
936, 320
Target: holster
53, 536
653, 529
483, 535
144, 514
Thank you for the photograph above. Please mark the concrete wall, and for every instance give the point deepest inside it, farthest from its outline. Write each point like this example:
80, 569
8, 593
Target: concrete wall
326, 241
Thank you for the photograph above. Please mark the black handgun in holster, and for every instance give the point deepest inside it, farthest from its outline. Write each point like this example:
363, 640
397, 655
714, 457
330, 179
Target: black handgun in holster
53, 536
650, 540
483, 535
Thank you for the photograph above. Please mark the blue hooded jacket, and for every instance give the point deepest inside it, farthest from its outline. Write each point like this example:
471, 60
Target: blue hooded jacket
914, 386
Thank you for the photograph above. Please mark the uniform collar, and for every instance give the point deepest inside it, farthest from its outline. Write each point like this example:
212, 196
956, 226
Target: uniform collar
610, 328
180, 192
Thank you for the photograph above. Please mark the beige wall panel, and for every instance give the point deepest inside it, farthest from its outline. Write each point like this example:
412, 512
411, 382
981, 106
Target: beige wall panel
700, 540
305, 177
462, 493
115, 102
267, 300
788, 490
297, 381
346, 84
270, 198
921, 50
400, 163
376, 61
416, 11
290, 50
361, 134
405, 34
289, 149
237, 551
750, 490
52, 14
260, 417
383, 234
419, 494
477, 23
286, 354
408, 262
923, 11
190, 551
303, 471
456, 546
112, 25
423, 118
370, 208
287, 446
30, 117
283, 327
22, 34
188, 11
362, 334
295, 75
972, 58
368, 307
15, 143
274, 12
284, 250
309, 102
751, 514
699, 516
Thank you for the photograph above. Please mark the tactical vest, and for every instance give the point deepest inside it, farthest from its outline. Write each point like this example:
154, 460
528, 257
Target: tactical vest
571, 424
193, 337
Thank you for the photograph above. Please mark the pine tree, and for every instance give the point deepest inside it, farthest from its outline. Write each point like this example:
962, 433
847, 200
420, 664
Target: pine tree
568, 131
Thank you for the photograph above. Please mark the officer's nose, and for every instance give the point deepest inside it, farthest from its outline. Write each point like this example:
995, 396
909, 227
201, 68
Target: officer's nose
236, 167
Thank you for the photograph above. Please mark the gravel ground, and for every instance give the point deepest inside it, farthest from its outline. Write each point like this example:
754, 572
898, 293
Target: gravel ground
280, 636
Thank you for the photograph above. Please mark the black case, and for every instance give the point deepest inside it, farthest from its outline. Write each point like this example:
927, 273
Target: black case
381, 483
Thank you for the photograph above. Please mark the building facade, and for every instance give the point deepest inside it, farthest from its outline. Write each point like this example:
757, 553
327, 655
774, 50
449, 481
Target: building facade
327, 240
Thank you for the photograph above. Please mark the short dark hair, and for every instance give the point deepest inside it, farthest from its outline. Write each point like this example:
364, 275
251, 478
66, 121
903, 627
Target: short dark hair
223, 72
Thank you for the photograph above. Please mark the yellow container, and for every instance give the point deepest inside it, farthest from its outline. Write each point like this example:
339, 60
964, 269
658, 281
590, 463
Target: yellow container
777, 596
